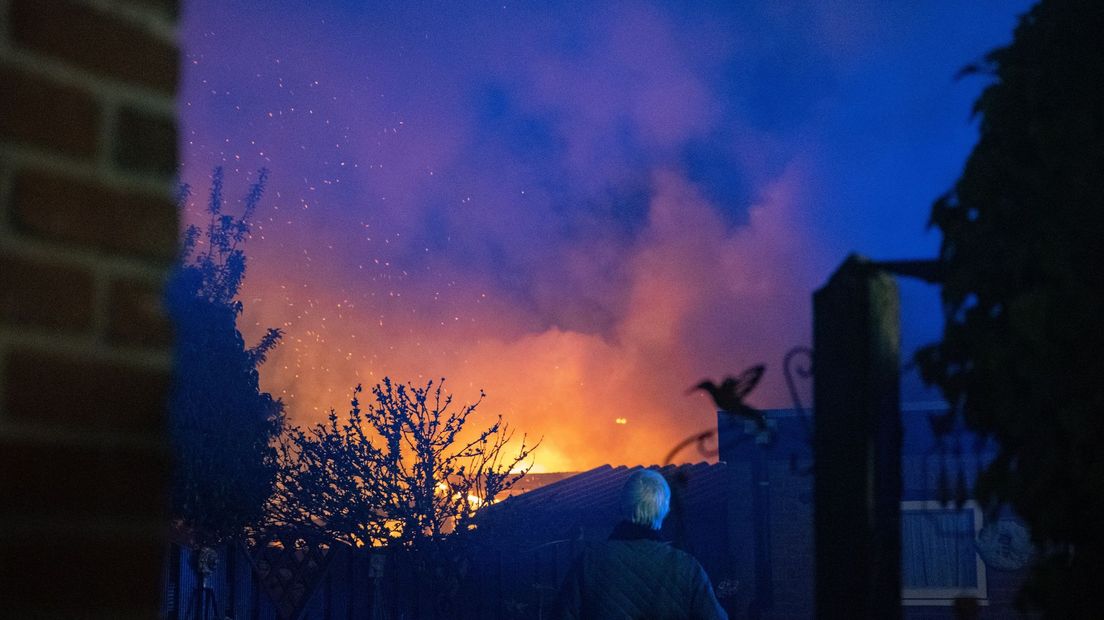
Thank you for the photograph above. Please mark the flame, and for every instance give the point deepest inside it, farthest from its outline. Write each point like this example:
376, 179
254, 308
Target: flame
698, 300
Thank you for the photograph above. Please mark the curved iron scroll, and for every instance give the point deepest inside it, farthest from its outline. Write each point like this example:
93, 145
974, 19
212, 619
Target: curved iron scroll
805, 372
790, 368
700, 439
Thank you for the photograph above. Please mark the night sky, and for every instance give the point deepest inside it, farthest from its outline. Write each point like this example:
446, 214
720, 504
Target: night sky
582, 208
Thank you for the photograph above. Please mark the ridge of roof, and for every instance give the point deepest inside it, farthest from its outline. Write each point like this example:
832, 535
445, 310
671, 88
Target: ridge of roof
597, 481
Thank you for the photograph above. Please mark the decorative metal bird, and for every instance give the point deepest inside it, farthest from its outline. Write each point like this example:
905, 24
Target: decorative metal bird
729, 395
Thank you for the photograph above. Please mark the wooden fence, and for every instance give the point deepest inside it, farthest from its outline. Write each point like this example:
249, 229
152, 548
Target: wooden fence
347, 584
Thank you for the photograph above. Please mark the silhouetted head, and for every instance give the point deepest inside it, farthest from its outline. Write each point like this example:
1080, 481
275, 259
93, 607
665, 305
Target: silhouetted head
646, 499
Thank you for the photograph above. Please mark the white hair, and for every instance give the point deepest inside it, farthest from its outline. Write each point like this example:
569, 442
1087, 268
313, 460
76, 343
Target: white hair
646, 498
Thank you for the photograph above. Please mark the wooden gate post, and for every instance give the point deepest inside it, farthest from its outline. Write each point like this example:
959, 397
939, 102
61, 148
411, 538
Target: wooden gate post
857, 443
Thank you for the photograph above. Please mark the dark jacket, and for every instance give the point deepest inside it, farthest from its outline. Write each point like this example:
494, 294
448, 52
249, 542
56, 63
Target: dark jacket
636, 575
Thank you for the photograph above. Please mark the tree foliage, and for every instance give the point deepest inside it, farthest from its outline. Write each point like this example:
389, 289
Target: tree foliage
222, 425
396, 473
1021, 355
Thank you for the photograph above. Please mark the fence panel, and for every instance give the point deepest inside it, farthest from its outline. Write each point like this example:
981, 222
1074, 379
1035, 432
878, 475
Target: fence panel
497, 584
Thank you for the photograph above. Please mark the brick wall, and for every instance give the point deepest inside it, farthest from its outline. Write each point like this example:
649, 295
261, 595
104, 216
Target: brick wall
87, 231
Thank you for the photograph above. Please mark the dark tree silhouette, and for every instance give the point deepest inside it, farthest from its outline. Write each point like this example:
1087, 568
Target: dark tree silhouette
1021, 355
396, 473
222, 425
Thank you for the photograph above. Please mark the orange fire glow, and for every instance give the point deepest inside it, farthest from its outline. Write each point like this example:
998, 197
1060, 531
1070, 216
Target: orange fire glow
699, 299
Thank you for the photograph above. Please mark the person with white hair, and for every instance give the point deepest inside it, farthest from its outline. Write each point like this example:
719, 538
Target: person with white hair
635, 574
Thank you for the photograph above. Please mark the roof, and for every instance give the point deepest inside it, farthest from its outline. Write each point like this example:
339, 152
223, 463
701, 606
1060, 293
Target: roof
584, 507
533, 481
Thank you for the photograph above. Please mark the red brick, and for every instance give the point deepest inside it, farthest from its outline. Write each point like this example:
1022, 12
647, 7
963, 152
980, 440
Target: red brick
94, 216
80, 575
39, 113
75, 393
80, 35
145, 143
137, 315
44, 294
59, 480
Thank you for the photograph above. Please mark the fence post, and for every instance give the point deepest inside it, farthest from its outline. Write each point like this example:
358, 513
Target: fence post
857, 443
231, 579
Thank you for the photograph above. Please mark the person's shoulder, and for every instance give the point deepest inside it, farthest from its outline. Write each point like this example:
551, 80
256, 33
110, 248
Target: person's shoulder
657, 550
636, 543
684, 556
685, 560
